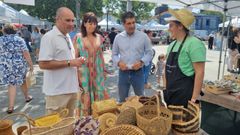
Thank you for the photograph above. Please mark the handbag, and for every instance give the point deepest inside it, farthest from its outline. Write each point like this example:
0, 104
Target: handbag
30, 79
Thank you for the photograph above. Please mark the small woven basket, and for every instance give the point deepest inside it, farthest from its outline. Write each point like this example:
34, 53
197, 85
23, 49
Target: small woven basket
185, 120
123, 129
154, 119
107, 120
104, 106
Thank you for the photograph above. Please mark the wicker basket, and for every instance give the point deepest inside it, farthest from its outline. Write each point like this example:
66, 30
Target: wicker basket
131, 102
64, 127
104, 106
6, 127
124, 129
188, 122
49, 120
127, 116
154, 119
107, 120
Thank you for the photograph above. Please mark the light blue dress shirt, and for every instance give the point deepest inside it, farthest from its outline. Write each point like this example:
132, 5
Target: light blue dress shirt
132, 48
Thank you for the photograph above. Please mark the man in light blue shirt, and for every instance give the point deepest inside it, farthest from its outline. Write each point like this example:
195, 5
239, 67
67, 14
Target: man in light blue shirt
131, 51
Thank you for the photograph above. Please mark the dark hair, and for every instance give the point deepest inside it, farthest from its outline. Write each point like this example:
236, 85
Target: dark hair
36, 29
161, 56
91, 18
184, 28
112, 29
127, 15
9, 29
42, 31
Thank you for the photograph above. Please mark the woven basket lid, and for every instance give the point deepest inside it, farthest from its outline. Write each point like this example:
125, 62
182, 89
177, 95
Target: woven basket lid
6, 127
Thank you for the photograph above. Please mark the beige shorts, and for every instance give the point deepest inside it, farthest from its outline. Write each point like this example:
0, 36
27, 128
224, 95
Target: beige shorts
57, 103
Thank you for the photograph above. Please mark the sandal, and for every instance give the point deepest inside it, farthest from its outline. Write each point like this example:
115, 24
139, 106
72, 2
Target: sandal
29, 98
10, 110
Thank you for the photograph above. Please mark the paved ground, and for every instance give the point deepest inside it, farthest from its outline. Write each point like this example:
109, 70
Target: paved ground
36, 107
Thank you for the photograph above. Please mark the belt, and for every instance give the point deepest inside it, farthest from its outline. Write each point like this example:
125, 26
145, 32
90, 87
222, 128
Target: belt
131, 70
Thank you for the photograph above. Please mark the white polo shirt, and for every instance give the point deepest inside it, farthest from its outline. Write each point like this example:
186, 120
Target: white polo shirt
54, 46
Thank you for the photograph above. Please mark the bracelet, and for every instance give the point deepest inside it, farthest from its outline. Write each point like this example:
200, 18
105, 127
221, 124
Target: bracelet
68, 63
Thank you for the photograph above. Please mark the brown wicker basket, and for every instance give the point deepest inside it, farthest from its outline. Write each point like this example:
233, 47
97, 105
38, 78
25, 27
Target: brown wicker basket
216, 90
17, 114
154, 119
104, 106
188, 120
6, 127
123, 129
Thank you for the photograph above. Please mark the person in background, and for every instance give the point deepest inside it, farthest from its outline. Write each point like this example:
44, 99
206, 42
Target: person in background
58, 61
185, 63
131, 51
26, 35
112, 36
91, 75
147, 68
14, 64
210, 41
160, 70
36, 38
1, 31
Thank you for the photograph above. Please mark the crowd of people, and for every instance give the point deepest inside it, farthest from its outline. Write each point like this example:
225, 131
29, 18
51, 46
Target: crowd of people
74, 68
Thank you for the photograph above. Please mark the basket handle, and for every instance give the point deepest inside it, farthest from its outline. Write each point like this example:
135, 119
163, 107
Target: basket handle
21, 114
64, 113
158, 105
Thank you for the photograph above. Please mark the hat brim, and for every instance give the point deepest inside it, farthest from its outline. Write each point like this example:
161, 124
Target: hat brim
172, 18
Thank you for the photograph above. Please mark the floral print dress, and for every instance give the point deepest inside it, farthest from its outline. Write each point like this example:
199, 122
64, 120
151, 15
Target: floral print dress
13, 66
91, 74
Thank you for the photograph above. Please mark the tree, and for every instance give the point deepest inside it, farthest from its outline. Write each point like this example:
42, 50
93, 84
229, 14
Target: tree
46, 9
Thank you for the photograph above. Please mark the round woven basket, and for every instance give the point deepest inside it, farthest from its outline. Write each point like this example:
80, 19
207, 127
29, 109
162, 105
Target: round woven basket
127, 116
154, 119
106, 121
123, 129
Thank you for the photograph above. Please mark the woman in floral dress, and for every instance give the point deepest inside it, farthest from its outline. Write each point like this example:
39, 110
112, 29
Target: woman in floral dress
14, 57
91, 75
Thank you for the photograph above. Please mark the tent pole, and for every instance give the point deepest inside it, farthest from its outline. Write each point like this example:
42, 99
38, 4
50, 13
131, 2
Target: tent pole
220, 57
226, 47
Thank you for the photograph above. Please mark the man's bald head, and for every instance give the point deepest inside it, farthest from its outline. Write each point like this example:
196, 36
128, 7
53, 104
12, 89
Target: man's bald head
64, 19
62, 11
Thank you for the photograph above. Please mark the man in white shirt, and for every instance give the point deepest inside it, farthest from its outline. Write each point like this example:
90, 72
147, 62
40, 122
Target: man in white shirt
57, 58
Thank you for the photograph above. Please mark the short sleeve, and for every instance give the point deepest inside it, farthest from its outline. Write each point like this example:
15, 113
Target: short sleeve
197, 51
46, 49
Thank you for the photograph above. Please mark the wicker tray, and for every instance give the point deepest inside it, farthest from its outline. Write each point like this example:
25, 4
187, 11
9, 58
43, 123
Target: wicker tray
216, 90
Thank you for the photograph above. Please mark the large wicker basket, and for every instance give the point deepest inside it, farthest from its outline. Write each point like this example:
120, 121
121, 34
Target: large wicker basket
123, 129
185, 120
154, 119
64, 127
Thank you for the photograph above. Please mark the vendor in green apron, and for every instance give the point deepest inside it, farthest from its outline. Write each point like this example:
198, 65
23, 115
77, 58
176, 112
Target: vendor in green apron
185, 63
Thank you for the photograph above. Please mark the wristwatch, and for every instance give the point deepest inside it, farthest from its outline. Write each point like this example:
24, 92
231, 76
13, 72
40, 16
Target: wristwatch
68, 63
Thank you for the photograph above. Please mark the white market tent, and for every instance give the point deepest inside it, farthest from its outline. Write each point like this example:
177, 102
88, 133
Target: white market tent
103, 23
6, 13
227, 7
234, 22
154, 25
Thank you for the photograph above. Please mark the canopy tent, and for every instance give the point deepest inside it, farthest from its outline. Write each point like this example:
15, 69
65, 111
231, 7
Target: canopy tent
155, 25
228, 7
7, 13
234, 22
110, 24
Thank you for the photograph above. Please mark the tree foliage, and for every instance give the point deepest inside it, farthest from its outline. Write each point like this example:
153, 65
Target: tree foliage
46, 9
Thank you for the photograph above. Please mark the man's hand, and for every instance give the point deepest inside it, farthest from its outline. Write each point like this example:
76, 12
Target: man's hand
122, 65
137, 65
77, 62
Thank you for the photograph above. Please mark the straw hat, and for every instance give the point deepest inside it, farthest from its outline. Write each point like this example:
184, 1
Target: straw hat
182, 15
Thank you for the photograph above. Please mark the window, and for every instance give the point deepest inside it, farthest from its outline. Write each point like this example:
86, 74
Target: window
207, 22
